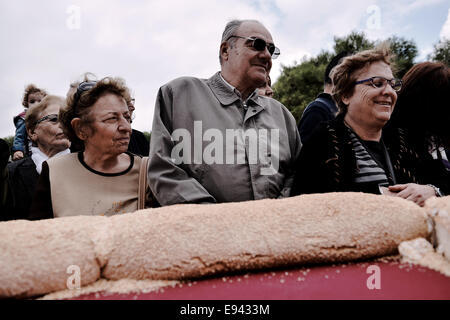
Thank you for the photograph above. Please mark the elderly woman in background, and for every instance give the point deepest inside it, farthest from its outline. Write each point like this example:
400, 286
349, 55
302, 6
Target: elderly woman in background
48, 141
351, 153
103, 178
138, 142
423, 113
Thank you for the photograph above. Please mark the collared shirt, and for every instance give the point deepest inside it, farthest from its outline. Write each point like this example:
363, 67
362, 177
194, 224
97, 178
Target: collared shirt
204, 151
236, 91
226, 82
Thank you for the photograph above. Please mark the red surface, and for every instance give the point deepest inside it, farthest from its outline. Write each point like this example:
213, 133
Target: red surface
346, 281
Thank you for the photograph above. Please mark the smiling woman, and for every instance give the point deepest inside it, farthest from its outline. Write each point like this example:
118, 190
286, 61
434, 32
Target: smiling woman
351, 153
91, 182
48, 141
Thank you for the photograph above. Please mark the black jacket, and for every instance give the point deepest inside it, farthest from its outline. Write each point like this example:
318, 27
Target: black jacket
327, 162
320, 110
139, 144
22, 180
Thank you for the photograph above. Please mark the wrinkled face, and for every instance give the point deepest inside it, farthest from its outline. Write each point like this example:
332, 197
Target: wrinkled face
34, 99
110, 128
48, 134
131, 107
368, 105
250, 66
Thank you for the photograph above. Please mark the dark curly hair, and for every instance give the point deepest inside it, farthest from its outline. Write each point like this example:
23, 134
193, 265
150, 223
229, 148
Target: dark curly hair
80, 105
30, 89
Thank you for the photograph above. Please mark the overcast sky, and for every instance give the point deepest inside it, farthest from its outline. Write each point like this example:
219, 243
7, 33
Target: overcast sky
148, 43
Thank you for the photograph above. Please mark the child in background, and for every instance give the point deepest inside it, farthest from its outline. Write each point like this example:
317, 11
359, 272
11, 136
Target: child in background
31, 97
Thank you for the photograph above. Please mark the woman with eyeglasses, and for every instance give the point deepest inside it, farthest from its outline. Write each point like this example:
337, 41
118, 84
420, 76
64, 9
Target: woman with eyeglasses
48, 141
103, 177
352, 153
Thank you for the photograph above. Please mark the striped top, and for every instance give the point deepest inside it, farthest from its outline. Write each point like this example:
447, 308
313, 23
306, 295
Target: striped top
367, 169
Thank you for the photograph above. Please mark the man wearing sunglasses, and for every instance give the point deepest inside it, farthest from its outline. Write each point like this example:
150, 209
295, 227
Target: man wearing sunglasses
217, 140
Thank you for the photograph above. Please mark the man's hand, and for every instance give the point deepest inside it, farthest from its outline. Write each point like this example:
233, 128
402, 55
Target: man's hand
17, 155
414, 192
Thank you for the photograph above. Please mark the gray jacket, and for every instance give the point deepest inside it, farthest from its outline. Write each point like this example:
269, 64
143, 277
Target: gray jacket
230, 150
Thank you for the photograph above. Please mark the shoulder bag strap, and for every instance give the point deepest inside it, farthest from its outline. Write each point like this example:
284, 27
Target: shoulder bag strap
142, 183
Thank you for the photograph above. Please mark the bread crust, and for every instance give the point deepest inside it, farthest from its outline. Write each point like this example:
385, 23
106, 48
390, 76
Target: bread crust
36, 255
190, 241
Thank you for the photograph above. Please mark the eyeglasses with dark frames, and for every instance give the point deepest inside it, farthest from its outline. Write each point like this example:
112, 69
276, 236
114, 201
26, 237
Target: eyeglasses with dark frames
50, 118
381, 82
260, 45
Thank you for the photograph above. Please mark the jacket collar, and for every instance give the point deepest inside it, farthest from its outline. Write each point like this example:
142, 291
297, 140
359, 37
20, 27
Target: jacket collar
225, 92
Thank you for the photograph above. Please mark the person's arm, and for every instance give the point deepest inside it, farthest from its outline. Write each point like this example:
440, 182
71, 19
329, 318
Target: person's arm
41, 206
170, 184
18, 147
5, 198
310, 121
4, 155
313, 173
417, 193
295, 151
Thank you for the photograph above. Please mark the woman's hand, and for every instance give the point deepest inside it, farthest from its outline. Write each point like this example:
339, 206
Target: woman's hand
414, 192
17, 155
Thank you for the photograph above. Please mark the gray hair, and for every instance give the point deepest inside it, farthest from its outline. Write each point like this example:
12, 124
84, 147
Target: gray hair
230, 30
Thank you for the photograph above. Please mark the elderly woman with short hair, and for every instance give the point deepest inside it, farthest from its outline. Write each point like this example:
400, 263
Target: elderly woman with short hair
351, 153
48, 141
103, 178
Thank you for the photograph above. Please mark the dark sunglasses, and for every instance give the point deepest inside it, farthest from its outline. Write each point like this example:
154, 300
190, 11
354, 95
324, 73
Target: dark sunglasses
260, 45
83, 86
50, 118
381, 82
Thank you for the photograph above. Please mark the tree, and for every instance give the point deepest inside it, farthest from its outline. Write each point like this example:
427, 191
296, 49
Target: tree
441, 52
405, 52
353, 43
147, 135
300, 84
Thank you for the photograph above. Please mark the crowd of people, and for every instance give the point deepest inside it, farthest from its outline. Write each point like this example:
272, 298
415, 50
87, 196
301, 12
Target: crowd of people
226, 139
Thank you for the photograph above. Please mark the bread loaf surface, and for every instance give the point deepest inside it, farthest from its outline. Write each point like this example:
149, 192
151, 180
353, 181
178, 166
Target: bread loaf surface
190, 241
439, 210
38, 257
